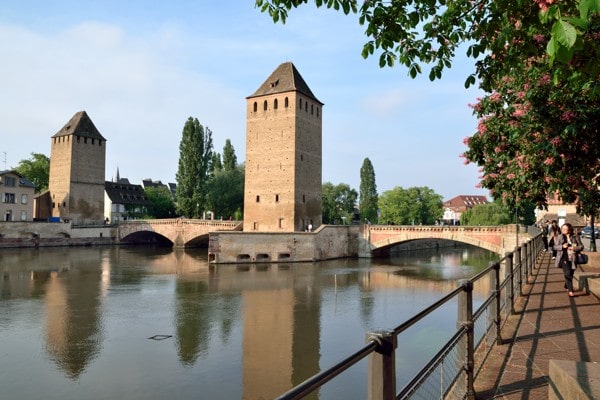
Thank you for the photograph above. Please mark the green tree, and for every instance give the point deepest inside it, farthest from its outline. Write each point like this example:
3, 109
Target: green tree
368, 192
430, 31
160, 203
36, 169
215, 163
226, 193
229, 157
195, 156
338, 203
491, 214
412, 206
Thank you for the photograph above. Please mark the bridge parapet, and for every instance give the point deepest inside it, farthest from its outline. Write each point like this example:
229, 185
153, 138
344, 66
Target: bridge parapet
180, 231
494, 238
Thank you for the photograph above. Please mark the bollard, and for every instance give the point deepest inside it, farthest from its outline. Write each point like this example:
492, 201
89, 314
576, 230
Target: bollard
465, 318
495, 312
382, 366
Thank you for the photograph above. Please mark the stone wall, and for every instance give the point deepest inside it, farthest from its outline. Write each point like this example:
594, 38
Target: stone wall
328, 242
46, 234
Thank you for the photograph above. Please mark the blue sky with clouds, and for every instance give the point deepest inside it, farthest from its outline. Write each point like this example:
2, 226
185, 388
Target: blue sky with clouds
141, 68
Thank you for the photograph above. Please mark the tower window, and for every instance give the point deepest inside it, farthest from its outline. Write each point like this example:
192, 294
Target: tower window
306, 106
317, 112
300, 103
276, 198
255, 107
281, 222
286, 103
275, 104
304, 198
311, 109
258, 199
265, 105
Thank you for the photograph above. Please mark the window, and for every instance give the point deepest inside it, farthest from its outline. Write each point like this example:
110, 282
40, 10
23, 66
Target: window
304, 198
10, 181
275, 104
276, 198
24, 199
23, 215
317, 112
286, 103
265, 105
255, 107
258, 199
9, 198
281, 222
311, 109
300, 103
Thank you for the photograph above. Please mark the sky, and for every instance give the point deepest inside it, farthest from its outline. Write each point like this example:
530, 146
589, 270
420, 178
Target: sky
141, 68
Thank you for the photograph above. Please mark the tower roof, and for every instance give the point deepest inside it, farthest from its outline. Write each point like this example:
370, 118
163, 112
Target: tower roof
81, 125
285, 78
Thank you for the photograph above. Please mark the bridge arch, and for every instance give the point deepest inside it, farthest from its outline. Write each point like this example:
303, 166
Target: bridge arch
492, 238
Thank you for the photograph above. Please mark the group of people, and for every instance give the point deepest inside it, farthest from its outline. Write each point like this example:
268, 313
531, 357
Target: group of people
564, 244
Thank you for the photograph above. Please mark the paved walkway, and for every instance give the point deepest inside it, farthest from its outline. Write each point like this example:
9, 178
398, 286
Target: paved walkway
548, 325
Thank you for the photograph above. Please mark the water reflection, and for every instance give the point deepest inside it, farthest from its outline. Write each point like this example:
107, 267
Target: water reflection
238, 331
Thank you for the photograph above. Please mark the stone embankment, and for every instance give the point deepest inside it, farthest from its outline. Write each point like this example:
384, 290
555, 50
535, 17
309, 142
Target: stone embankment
48, 234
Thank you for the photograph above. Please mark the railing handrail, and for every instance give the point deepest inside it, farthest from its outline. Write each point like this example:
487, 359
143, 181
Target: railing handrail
466, 286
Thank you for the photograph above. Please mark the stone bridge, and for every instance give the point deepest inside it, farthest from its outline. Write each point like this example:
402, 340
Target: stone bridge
181, 232
498, 239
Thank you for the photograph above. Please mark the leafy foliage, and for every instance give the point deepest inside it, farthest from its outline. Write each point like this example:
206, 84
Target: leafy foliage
225, 193
229, 157
37, 170
338, 202
368, 192
161, 203
195, 156
412, 206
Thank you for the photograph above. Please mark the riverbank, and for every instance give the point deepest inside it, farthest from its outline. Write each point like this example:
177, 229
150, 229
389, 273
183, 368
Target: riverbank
54, 234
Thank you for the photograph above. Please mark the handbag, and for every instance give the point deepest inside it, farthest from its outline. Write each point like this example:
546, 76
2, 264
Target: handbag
581, 258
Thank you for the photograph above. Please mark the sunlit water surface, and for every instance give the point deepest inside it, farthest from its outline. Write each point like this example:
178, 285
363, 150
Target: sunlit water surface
152, 323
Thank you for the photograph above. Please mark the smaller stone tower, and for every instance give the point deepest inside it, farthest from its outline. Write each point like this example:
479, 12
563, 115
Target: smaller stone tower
283, 155
77, 167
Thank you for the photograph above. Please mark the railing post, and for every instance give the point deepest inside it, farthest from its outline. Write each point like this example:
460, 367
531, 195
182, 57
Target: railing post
382, 366
510, 275
519, 264
497, 318
465, 318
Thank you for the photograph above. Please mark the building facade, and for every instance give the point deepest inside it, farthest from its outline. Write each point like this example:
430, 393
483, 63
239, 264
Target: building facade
77, 168
17, 197
454, 207
123, 201
283, 155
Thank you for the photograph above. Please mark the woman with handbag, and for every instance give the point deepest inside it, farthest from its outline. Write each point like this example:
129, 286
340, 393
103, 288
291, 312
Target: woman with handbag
566, 246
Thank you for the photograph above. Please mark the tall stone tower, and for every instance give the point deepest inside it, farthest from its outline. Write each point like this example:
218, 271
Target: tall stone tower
77, 163
283, 155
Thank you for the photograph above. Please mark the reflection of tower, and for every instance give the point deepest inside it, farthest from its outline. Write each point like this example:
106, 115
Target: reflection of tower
283, 155
77, 161
281, 332
73, 331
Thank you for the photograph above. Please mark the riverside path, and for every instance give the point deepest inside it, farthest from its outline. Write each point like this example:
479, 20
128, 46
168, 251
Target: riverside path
548, 325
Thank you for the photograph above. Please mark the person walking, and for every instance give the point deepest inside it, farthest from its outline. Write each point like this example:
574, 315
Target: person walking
545, 232
554, 232
567, 245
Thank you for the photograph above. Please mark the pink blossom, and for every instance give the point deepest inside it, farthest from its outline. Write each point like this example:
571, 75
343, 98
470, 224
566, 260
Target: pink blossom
511, 176
539, 38
481, 126
497, 149
545, 79
519, 112
495, 97
556, 141
568, 116
466, 140
549, 161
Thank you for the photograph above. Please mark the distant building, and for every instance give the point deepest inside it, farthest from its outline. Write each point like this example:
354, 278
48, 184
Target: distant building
17, 197
123, 200
171, 187
454, 207
283, 155
77, 168
561, 212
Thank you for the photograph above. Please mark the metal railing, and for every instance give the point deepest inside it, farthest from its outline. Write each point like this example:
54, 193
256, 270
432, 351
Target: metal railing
452, 372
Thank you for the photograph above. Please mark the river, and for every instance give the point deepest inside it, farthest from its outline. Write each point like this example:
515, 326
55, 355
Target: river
153, 323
